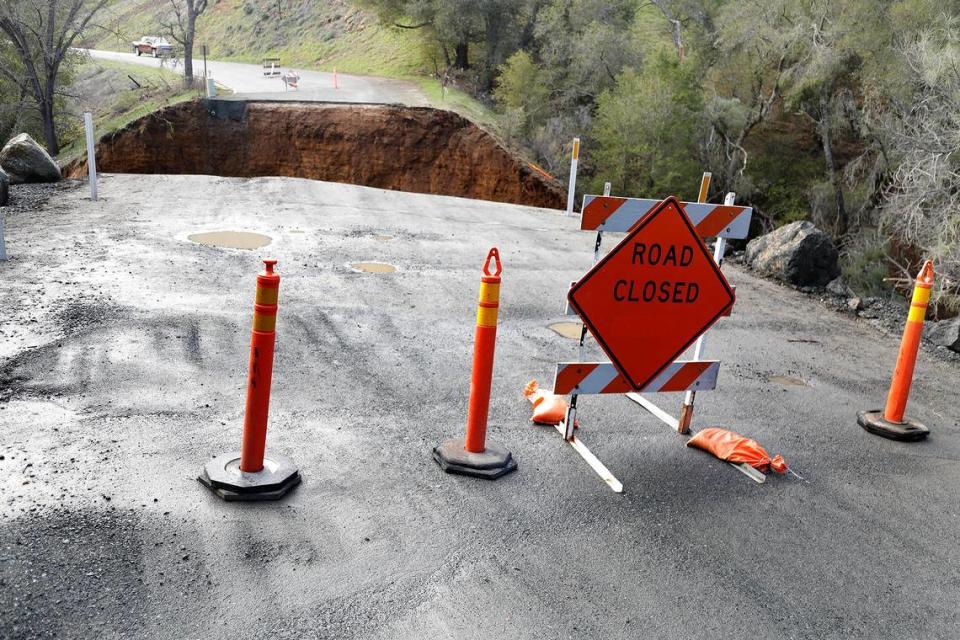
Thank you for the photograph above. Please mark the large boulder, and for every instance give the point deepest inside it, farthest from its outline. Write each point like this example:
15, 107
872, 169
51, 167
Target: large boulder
4, 188
26, 161
797, 253
945, 333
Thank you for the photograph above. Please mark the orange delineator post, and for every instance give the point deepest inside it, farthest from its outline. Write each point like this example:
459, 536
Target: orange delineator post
485, 338
472, 456
249, 474
891, 422
261, 369
907, 359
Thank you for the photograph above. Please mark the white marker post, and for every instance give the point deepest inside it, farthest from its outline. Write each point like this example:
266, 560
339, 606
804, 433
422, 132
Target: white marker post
3, 243
573, 175
91, 155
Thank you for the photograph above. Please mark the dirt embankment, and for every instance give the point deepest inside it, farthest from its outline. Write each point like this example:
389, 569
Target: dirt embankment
403, 148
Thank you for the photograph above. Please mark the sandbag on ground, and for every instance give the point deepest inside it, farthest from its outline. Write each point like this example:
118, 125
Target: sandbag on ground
733, 447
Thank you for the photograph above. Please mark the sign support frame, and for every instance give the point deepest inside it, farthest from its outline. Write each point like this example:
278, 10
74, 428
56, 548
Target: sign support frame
681, 424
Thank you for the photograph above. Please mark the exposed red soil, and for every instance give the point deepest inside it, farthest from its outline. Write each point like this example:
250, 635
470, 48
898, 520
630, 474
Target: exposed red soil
392, 147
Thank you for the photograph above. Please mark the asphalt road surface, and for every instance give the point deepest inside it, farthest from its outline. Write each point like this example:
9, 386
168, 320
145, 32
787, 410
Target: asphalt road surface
123, 354
248, 80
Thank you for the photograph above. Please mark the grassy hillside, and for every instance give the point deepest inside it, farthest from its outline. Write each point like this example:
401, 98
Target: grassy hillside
303, 33
109, 90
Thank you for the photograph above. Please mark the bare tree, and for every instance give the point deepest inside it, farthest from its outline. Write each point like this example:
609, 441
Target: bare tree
752, 35
675, 25
183, 28
42, 33
921, 209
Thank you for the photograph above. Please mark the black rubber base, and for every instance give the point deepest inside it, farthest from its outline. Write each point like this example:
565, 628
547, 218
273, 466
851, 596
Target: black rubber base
490, 465
906, 431
223, 476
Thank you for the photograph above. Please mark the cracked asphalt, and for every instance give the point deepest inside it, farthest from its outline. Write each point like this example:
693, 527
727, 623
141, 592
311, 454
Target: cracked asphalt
123, 349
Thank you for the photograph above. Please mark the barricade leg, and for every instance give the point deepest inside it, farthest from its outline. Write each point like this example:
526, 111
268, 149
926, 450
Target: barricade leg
249, 474
891, 422
472, 456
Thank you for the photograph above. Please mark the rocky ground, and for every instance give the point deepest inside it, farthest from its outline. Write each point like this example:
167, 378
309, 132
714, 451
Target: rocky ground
886, 314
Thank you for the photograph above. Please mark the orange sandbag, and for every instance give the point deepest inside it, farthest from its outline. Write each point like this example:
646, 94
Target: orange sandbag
547, 407
736, 448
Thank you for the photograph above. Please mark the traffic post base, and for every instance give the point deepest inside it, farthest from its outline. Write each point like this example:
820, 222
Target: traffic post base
276, 479
492, 463
907, 431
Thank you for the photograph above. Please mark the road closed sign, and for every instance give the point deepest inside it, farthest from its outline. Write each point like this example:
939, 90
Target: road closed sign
652, 295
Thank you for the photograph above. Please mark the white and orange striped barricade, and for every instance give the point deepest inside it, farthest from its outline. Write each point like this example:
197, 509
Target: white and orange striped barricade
616, 214
271, 67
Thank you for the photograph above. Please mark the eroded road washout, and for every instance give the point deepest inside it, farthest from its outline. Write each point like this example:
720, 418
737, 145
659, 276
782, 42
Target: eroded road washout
415, 149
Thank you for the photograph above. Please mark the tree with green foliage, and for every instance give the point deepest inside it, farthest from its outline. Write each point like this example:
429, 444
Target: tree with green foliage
42, 34
494, 28
647, 128
14, 94
522, 88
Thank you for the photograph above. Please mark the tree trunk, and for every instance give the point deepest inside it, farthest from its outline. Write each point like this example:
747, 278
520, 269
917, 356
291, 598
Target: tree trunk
188, 51
49, 123
831, 162
462, 56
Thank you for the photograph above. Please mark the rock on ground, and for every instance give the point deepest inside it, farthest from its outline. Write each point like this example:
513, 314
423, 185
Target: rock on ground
945, 333
4, 188
26, 161
797, 253
839, 288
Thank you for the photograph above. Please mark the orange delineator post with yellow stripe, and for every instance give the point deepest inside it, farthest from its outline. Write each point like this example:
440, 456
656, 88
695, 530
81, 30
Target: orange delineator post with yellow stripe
472, 456
260, 376
909, 346
484, 343
892, 423
250, 474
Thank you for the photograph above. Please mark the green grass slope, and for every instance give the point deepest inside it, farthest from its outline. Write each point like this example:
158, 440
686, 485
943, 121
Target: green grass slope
302, 33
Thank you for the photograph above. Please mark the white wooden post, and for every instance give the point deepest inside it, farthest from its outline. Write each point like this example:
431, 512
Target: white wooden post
573, 175
91, 155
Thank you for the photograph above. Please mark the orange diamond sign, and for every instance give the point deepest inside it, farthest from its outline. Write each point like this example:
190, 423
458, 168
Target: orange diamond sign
651, 297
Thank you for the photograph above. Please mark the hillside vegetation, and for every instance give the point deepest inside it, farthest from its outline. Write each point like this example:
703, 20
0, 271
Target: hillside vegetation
117, 94
302, 33
843, 112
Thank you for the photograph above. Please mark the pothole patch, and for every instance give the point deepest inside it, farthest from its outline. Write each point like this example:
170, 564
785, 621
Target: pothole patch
569, 330
231, 239
373, 267
787, 381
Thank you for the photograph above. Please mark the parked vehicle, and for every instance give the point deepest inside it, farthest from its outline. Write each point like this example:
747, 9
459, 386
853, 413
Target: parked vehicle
157, 46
